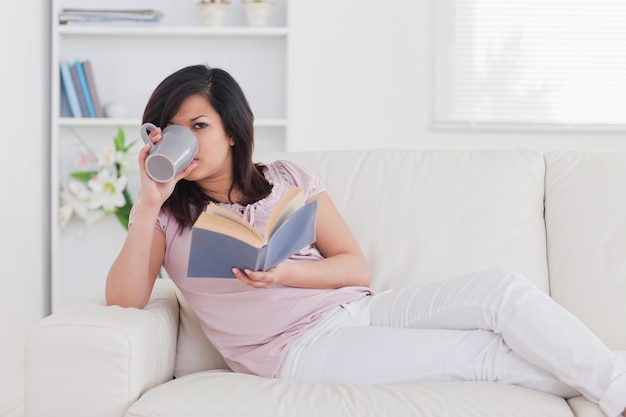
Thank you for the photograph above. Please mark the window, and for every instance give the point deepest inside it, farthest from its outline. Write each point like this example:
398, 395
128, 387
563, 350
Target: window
547, 63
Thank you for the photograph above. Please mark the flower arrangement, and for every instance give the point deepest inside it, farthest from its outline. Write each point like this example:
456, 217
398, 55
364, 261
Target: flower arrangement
99, 188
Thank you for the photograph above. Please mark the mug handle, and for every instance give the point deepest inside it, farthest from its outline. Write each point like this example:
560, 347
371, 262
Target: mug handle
144, 133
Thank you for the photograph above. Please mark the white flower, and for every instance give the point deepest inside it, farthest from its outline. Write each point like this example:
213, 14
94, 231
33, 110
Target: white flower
74, 199
126, 161
107, 157
98, 188
107, 191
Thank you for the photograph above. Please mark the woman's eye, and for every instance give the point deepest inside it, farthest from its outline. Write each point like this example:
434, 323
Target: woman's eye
199, 125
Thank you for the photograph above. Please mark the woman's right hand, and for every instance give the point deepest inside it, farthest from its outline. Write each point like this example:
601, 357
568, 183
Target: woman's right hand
153, 192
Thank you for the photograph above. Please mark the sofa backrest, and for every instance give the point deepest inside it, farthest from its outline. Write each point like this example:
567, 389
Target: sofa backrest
427, 215
586, 235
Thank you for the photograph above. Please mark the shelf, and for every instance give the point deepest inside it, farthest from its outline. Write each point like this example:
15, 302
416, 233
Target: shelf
118, 122
257, 57
158, 30
96, 122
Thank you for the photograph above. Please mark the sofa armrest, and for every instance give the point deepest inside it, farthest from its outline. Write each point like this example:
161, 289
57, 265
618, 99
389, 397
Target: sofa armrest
92, 360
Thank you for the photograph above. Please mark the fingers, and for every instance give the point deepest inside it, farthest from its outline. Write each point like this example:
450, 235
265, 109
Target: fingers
143, 153
256, 279
182, 174
155, 135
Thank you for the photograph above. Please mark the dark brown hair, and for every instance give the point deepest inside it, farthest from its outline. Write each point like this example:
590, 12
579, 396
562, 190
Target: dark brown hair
228, 100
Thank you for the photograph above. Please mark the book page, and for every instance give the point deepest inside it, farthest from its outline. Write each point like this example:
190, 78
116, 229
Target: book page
297, 232
222, 212
289, 202
224, 222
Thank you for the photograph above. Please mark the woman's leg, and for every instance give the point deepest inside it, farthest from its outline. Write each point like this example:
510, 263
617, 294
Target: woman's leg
534, 326
378, 355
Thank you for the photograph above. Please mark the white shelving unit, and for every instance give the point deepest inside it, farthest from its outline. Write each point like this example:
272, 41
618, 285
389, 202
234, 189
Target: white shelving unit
128, 62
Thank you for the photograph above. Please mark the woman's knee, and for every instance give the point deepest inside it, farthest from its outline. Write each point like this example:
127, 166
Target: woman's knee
505, 281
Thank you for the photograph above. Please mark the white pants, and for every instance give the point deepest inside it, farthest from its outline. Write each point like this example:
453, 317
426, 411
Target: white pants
492, 325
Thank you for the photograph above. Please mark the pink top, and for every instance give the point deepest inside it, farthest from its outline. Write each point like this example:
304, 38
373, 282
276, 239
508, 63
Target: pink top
253, 328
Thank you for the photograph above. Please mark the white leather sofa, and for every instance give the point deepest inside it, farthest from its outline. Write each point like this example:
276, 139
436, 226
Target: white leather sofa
559, 218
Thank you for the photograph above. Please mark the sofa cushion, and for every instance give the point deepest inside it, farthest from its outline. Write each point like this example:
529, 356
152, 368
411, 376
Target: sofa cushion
430, 215
586, 236
582, 407
220, 393
194, 352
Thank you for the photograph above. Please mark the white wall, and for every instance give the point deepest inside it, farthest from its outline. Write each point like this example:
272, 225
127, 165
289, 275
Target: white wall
361, 77
24, 85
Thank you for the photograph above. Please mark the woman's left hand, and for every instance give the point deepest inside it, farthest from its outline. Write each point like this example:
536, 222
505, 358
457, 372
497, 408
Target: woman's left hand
259, 279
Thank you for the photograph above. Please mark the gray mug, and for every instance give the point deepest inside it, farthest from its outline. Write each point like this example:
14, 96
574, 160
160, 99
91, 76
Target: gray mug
173, 153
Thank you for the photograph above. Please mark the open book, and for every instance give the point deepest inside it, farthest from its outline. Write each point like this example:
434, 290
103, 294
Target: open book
221, 240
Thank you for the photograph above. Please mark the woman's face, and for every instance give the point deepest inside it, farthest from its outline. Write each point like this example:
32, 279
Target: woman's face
214, 154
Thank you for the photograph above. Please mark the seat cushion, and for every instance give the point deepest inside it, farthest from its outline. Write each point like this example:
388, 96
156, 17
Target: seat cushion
222, 393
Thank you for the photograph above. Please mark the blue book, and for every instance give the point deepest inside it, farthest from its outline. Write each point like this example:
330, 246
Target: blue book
79, 91
85, 87
69, 89
64, 105
221, 240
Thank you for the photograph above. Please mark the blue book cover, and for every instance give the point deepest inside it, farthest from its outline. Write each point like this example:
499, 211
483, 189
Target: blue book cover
216, 248
69, 89
79, 91
85, 87
64, 105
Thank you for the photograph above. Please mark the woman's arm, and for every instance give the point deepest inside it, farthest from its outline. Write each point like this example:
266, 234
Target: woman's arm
344, 263
132, 275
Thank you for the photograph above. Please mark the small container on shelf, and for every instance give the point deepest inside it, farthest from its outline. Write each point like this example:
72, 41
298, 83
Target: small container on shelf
257, 12
213, 12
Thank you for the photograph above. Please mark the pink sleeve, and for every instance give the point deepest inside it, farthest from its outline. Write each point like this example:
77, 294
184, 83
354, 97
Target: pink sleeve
301, 176
161, 222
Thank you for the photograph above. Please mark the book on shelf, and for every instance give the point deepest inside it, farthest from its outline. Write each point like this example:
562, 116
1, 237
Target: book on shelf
109, 16
84, 87
64, 104
67, 84
87, 67
221, 240
78, 88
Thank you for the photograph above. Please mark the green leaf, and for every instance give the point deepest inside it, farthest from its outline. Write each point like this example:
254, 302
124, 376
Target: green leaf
122, 216
83, 175
119, 140
122, 213
131, 145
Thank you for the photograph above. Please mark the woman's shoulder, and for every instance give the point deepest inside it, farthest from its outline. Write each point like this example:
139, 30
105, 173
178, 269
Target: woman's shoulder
289, 170
294, 174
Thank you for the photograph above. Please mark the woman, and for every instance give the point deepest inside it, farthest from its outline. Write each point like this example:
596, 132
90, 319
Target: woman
313, 316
